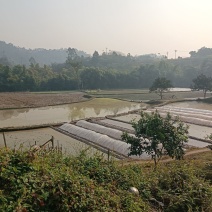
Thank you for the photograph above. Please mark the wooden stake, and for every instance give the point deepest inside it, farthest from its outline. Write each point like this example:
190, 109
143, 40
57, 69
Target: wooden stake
52, 142
5, 144
108, 154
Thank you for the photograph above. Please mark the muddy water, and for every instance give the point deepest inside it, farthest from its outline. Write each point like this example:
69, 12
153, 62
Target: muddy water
64, 113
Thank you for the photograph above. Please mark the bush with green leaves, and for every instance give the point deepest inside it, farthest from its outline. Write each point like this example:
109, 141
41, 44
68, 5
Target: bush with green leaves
53, 182
157, 136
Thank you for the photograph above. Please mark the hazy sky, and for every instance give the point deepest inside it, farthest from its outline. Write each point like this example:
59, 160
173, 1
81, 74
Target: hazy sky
135, 26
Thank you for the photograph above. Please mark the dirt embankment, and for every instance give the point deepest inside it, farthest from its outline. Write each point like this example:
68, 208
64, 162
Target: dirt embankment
27, 99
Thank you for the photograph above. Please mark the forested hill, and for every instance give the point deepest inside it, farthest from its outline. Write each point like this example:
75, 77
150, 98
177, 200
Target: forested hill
40, 69
10, 54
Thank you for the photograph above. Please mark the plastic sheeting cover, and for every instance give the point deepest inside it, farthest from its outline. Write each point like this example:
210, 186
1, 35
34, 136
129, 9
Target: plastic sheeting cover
185, 118
189, 110
101, 129
103, 140
186, 113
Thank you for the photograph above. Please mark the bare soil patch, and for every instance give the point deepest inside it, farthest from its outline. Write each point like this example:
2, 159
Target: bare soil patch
27, 99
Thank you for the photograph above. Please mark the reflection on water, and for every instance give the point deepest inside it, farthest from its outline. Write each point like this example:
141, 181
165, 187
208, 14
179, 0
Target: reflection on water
193, 104
64, 113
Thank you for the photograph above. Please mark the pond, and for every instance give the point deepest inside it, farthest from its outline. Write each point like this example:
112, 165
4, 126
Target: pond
99, 107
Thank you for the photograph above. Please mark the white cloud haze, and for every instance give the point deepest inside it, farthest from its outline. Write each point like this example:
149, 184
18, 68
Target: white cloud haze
135, 26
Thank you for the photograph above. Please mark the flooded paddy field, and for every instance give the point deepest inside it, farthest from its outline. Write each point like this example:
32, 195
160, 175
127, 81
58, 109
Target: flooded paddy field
65, 113
99, 107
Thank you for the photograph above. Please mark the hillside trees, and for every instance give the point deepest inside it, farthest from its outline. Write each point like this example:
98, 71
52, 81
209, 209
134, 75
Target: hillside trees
74, 63
91, 78
111, 70
20, 78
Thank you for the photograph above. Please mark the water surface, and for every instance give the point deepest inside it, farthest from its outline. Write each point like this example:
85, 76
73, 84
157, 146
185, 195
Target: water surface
64, 113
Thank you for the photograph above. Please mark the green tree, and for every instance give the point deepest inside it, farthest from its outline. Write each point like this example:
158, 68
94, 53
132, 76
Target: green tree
74, 63
32, 62
203, 83
4, 61
157, 136
91, 78
95, 54
160, 85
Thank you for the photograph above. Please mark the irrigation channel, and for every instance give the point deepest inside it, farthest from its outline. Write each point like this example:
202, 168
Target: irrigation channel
96, 126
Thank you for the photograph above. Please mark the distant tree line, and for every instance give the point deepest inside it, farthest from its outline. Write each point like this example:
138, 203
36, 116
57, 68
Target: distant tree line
109, 70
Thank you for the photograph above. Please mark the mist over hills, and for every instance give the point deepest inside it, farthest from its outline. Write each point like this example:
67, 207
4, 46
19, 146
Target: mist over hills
14, 55
17, 55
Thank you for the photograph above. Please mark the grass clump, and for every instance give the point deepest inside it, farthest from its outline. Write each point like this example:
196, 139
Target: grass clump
53, 182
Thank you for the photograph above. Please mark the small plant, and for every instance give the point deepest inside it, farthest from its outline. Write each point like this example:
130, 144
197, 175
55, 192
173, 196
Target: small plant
209, 137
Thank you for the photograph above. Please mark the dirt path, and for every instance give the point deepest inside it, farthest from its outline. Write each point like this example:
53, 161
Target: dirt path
29, 100
193, 152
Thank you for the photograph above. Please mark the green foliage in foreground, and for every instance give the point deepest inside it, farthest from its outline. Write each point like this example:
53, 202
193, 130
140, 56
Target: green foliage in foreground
57, 183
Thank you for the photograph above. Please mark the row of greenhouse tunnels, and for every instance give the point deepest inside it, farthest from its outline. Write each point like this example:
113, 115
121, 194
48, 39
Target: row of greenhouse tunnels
103, 135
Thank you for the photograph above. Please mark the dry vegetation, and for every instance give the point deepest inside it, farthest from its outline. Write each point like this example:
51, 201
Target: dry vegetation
27, 99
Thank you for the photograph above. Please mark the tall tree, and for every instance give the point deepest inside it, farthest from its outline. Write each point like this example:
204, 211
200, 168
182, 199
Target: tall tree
202, 83
95, 54
32, 61
74, 63
160, 85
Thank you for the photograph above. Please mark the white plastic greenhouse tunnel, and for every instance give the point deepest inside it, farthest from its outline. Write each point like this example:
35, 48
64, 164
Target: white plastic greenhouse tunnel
186, 113
105, 141
193, 116
114, 133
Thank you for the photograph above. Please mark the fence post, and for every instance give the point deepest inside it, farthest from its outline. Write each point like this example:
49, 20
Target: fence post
108, 154
52, 142
5, 144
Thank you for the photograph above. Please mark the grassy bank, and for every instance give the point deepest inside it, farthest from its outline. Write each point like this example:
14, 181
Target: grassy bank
141, 95
52, 182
